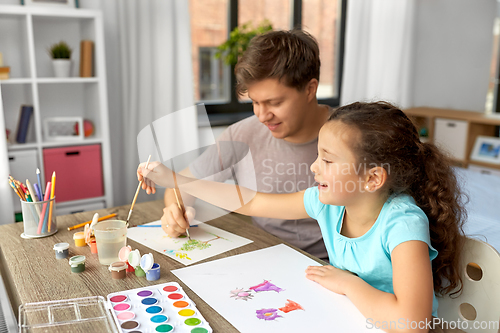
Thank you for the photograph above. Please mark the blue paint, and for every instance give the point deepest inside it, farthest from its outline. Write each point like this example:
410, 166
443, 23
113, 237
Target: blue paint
154, 273
149, 301
159, 319
154, 309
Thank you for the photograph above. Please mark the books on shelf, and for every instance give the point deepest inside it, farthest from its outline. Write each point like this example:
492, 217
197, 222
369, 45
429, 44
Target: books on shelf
86, 58
25, 116
4, 71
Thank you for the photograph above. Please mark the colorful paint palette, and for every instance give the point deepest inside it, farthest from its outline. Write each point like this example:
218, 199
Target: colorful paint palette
159, 308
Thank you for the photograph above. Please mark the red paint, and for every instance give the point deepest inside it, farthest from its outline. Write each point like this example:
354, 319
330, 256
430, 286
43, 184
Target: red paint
170, 289
130, 268
118, 298
291, 306
175, 296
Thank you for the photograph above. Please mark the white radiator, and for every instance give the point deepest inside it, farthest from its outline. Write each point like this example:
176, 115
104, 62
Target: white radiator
8, 323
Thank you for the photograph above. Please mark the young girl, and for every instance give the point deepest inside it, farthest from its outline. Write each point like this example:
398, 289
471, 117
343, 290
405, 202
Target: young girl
388, 205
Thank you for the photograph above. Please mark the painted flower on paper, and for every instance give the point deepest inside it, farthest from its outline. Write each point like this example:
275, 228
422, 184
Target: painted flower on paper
266, 286
241, 294
291, 306
267, 314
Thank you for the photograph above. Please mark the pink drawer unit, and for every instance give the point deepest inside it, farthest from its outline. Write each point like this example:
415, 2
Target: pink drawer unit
78, 171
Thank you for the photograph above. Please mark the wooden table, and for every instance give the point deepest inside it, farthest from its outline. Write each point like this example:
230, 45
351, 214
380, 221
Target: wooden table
32, 273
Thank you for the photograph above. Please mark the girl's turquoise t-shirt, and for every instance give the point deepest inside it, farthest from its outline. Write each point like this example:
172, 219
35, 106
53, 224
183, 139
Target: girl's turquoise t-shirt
369, 256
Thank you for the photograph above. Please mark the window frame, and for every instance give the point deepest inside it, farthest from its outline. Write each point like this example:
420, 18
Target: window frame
233, 110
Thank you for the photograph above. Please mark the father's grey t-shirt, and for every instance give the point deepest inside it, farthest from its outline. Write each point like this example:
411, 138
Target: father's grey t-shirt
280, 167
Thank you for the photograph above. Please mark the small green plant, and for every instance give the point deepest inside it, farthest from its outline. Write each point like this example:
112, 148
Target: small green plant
238, 41
60, 50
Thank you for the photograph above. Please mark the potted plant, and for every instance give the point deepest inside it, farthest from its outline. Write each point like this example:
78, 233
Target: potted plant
238, 41
61, 59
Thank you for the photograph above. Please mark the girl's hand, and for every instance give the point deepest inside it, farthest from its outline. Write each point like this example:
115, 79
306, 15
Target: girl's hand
155, 174
172, 221
330, 277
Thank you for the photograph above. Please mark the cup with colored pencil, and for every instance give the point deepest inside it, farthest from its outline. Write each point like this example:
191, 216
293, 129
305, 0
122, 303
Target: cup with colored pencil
39, 217
37, 220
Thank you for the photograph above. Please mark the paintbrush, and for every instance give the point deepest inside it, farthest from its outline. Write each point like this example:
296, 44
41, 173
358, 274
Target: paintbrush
181, 206
136, 193
178, 198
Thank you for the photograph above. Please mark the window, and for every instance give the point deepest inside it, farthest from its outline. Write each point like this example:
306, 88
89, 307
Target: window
213, 78
322, 20
212, 20
492, 103
209, 28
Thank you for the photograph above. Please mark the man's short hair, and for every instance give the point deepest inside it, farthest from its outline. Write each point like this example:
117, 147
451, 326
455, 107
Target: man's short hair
290, 56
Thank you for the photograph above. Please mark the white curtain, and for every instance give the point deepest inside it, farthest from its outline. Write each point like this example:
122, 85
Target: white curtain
379, 44
6, 204
152, 44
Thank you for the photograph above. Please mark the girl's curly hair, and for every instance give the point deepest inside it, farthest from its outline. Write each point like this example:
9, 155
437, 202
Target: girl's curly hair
389, 139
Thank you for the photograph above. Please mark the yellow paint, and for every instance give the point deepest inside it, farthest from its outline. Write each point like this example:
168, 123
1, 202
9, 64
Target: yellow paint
186, 312
268, 314
79, 238
182, 256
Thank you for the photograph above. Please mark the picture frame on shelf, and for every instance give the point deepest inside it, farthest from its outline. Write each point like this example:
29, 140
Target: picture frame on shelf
486, 149
63, 128
51, 3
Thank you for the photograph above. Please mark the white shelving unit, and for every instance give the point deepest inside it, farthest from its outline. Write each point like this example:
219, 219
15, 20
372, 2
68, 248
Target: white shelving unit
26, 32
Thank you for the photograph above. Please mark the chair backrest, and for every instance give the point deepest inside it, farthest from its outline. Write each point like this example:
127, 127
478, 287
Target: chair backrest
477, 308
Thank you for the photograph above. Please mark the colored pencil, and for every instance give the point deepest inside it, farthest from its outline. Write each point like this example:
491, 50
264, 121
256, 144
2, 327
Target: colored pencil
88, 222
137, 192
33, 195
40, 195
31, 191
31, 207
45, 219
21, 185
52, 193
38, 192
19, 189
44, 209
11, 183
157, 226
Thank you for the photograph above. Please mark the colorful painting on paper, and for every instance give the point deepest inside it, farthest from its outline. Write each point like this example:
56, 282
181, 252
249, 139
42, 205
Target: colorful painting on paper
290, 302
206, 241
266, 313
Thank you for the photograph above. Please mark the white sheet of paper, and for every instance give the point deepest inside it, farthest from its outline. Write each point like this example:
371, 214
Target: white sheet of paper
323, 310
206, 242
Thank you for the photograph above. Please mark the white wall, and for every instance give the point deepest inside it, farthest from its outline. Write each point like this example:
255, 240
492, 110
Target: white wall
452, 53
451, 61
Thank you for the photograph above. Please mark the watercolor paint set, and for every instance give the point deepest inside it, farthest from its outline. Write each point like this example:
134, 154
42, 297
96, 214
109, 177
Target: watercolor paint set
159, 308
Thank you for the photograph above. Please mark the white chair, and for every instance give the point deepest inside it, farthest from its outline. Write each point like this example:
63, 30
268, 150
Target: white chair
479, 302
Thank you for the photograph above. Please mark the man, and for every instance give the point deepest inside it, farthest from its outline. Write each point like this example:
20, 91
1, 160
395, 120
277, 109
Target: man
280, 72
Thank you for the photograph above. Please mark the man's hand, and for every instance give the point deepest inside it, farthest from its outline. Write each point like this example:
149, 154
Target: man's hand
155, 174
